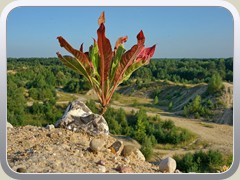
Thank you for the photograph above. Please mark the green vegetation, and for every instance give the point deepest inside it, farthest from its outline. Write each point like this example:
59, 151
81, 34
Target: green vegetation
32, 93
198, 109
36, 80
215, 84
202, 162
191, 71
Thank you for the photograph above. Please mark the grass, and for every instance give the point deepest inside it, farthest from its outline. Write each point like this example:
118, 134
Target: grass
194, 143
208, 125
63, 96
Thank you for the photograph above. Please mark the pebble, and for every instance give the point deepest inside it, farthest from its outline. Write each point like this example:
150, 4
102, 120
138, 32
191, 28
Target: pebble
124, 169
177, 171
127, 160
96, 144
21, 170
100, 162
49, 148
50, 127
102, 168
116, 147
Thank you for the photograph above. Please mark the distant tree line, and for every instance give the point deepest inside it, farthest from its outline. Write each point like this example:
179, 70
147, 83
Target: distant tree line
186, 70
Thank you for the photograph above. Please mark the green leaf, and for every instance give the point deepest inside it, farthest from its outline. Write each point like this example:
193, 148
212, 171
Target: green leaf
116, 60
74, 64
131, 69
94, 56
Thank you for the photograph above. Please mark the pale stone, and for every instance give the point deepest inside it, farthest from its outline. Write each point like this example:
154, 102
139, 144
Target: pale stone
9, 125
101, 168
168, 165
96, 144
78, 117
50, 127
139, 155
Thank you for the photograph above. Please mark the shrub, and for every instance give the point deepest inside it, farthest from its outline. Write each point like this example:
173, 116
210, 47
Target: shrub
215, 84
147, 148
156, 100
211, 161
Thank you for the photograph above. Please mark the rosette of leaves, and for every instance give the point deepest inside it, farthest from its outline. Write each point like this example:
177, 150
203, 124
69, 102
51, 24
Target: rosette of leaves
105, 68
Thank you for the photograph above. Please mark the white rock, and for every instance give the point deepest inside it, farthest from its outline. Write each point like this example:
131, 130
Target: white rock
9, 125
168, 165
177, 171
79, 117
139, 155
50, 127
101, 168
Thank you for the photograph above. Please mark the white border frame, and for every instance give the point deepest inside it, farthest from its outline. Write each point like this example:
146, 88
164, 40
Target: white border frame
140, 3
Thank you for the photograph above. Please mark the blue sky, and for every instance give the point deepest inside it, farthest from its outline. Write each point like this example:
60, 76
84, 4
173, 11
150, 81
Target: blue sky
179, 32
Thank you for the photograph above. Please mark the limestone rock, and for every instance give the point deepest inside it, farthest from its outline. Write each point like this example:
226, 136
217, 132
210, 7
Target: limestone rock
78, 117
9, 125
168, 165
139, 155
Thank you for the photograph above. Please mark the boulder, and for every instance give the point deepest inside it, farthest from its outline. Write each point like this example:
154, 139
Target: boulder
78, 117
167, 165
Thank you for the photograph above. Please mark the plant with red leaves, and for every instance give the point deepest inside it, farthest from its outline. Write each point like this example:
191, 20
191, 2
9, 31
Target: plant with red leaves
103, 67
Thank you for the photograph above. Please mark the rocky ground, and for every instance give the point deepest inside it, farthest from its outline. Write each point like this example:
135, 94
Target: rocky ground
33, 149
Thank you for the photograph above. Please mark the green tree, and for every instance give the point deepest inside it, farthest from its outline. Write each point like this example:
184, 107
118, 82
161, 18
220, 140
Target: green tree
140, 129
147, 148
16, 103
215, 84
196, 104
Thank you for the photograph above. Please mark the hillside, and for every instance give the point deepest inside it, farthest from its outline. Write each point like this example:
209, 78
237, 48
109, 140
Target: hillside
181, 95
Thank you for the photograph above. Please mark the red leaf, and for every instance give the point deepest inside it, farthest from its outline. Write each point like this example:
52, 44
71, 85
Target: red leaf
127, 59
81, 48
80, 56
105, 53
146, 54
141, 38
